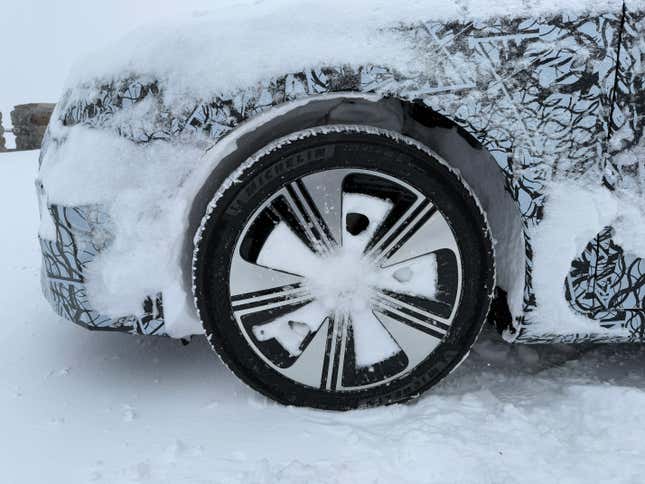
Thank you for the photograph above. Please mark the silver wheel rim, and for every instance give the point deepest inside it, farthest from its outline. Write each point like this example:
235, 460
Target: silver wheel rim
345, 279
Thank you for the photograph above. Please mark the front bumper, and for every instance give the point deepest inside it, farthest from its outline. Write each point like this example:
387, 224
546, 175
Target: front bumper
79, 234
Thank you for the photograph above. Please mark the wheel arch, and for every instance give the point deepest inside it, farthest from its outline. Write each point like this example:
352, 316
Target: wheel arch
459, 148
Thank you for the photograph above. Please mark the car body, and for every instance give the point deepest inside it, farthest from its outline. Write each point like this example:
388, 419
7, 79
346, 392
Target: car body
549, 100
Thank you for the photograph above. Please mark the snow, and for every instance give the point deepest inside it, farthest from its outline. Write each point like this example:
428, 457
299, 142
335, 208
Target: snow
343, 282
290, 331
143, 257
194, 55
474, 167
278, 254
584, 209
78, 407
52, 35
179, 53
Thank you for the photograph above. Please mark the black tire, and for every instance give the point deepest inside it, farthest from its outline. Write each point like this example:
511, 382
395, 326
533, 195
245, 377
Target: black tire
312, 151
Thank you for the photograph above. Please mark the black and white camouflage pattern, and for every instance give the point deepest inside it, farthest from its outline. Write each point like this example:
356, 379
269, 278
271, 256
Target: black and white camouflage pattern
606, 283
81, 233
550, 98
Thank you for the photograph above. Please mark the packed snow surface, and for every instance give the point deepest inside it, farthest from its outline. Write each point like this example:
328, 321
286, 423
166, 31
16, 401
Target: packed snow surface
79, 407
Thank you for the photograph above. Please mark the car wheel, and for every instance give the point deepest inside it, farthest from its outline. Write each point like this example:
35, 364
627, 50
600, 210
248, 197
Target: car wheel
342, 267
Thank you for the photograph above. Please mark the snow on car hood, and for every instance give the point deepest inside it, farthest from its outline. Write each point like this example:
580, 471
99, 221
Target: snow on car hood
241, 44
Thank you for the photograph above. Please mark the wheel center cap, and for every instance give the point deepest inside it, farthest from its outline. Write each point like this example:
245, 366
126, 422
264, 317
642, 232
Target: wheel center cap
344, 281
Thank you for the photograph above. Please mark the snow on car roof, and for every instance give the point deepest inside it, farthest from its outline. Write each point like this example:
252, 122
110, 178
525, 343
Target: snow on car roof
241, 44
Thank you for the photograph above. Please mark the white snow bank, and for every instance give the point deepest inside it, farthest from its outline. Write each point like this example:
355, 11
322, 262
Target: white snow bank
239, 45
575, 214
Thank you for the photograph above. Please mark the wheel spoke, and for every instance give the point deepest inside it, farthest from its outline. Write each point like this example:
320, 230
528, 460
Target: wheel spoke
401, 230
375, 210
335, 351
308, 367
293, 330
254, 282
322, 361
284, 251
297, 219
416, 344
275, 300
372, 342
308, 207
430, 236
324, 198
418, 276
399, 306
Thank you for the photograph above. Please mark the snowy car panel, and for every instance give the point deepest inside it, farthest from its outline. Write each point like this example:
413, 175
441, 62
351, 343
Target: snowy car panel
553, 98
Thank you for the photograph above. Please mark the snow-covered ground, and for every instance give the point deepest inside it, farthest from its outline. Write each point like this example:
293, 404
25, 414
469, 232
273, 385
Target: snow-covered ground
78, 407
